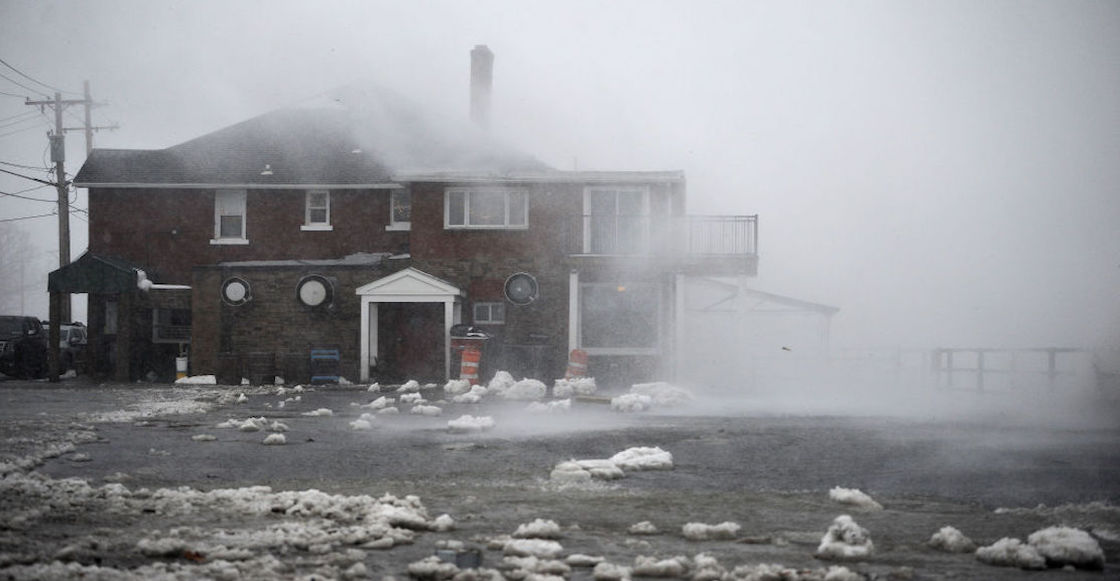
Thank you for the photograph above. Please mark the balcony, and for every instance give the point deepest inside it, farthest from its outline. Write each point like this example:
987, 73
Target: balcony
693, 244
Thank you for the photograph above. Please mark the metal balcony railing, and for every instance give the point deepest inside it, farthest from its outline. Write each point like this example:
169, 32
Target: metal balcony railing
644, 235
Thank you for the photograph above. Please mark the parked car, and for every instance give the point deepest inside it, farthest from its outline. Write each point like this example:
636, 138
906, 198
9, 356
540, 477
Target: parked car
23, 347
71, 346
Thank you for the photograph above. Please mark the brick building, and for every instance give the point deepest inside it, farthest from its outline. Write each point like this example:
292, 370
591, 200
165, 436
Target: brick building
370, 229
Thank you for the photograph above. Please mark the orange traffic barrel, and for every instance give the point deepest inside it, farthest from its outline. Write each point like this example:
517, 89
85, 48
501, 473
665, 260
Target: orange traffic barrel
577, 364
469, 368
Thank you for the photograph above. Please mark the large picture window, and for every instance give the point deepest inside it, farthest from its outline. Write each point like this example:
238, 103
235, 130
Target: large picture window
229, 217
495, 208
620, 318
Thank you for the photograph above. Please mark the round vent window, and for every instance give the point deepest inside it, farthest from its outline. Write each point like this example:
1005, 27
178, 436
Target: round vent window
521, 288
314, 291
236, 291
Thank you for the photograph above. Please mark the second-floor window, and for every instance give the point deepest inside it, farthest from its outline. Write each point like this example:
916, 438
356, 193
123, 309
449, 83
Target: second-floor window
486, 208
317, 213
229, 217
400, 210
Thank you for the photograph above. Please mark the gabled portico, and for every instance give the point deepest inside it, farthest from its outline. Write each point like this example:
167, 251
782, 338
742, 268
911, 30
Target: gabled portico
406, 286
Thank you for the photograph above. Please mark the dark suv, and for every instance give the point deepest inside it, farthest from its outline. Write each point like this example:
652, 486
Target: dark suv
23, 347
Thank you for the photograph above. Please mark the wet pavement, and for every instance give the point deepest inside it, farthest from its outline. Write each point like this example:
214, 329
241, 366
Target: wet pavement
770, 473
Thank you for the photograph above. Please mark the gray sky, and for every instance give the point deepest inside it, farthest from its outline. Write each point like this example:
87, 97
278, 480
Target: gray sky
947, 173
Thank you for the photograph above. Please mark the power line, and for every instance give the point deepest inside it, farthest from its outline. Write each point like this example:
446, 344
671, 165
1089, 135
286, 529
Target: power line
8, 163
18, 131
24, 75
27, 217
19, 121
21, 85
7, 94
19, 175
24, 114
29, 198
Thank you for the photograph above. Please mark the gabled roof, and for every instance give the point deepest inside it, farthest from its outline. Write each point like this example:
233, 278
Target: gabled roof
360, 137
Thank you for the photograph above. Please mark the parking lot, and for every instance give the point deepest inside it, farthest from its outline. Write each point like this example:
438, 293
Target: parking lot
770, 473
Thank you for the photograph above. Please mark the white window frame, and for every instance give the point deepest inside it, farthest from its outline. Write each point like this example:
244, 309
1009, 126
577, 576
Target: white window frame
228, 203
308, 225
490, 309
659, 318
394, 224
468, 192
589, 191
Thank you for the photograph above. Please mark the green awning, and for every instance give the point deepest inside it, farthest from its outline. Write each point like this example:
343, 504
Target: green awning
93, 273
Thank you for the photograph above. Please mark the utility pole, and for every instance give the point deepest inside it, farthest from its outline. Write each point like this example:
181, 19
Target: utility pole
58, 156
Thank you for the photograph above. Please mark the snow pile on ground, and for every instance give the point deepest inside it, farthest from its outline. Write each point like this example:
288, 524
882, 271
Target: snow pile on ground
639, 458
203, 438
845, 540
569, 472
951, 540
336, 528
246, 425
663, 394
412, 397
475, 395
643, 528
610, 572
380, 403
582, 560
526, 389
426, 410
538, 529
573, 386
374, 388
541, 548
854, 497
469, 423
775, 572
645, 566
550, 407
275, 440
319, 412
534, 568
389, 411
410, 386
1057, 546
1062, 546
180, 401
197, 380
364, 422
631, 402
695, 531
643, 458
501, 381
1009, 552
456, 386
432, 569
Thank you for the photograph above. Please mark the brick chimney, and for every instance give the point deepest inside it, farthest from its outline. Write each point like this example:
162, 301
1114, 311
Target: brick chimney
482, 68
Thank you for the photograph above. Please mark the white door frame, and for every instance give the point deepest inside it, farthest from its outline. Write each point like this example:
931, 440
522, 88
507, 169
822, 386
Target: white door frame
406, 286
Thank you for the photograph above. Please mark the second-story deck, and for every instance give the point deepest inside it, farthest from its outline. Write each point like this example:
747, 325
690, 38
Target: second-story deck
692, 244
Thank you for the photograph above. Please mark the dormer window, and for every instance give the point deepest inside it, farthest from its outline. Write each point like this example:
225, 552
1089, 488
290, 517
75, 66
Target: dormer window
317, 212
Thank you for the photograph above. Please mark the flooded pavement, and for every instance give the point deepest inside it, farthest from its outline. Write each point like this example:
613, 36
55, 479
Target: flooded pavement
770, 474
